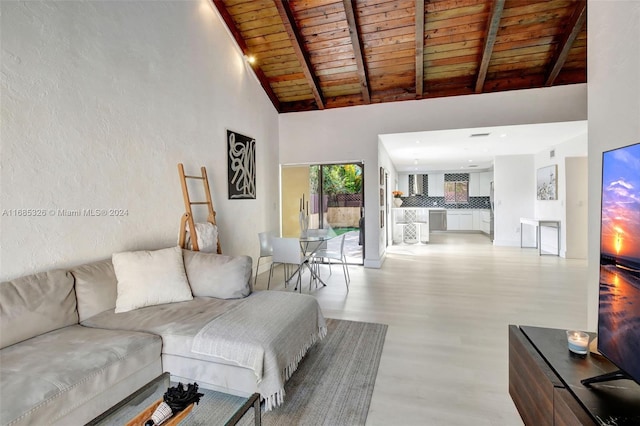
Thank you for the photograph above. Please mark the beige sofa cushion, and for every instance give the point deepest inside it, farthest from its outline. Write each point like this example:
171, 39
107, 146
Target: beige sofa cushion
51, 376
95, 288
217, 275
176, 323
36, 304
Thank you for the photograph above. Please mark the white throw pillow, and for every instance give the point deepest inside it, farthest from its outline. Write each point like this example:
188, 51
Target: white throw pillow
216, 275
147, 278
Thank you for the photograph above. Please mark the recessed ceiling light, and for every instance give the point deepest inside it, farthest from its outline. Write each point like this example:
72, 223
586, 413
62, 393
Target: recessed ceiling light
417, 141
250, 58
504, 135
471, 161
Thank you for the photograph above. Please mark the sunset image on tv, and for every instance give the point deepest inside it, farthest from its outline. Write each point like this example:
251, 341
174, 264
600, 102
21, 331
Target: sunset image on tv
619, 308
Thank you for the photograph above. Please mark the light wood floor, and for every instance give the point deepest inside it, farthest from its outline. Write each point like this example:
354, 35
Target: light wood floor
448, 305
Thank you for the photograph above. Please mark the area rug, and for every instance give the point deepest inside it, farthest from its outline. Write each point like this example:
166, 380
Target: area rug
332, 386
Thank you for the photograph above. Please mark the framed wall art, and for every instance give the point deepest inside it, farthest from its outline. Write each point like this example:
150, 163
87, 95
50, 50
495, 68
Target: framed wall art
547, 182
241, 156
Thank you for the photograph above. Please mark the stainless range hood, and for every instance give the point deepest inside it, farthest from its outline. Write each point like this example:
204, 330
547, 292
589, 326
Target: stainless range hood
417, 186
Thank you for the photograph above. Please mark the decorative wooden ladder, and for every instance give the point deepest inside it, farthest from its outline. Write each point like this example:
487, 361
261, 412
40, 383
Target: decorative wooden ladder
187, 217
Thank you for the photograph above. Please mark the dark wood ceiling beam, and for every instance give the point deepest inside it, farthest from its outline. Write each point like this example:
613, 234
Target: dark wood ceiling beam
298, 46
576, 22
490, 39
357, 50
419, 48
262, 78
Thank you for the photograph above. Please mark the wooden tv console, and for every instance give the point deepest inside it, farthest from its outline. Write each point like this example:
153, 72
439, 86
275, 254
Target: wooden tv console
544, 383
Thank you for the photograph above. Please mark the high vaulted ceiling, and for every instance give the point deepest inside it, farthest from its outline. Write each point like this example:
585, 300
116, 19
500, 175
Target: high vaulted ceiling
317, 54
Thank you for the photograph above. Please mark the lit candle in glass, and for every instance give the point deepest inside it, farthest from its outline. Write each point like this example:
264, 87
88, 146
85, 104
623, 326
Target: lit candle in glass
578, 342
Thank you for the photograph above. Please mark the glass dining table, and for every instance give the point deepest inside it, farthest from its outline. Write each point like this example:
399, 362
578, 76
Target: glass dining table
310, 242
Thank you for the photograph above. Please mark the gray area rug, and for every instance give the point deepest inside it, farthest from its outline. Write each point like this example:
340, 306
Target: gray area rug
332, 386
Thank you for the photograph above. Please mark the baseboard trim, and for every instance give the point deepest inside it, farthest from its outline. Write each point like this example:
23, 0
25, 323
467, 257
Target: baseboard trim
375, 263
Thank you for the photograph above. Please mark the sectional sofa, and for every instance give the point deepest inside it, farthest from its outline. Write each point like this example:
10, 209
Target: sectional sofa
69, 350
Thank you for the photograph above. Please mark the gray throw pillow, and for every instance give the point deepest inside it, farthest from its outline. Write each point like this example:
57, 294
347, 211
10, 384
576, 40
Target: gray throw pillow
217, 275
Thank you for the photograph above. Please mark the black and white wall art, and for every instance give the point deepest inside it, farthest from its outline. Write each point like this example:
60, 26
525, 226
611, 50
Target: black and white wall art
242, 166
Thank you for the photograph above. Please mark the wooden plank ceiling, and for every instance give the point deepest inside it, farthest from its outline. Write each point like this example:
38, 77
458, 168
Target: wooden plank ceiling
317, 54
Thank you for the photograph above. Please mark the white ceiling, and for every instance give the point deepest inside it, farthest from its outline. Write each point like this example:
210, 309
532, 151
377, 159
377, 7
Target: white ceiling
450, 150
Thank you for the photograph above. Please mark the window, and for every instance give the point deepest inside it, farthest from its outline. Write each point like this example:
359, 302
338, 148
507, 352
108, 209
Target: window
456, 188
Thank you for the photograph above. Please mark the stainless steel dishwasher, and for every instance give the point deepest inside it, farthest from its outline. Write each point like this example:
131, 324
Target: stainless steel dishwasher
437, 220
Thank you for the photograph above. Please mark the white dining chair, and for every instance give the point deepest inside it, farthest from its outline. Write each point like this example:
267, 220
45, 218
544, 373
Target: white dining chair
288, 252
335, 251
266, 250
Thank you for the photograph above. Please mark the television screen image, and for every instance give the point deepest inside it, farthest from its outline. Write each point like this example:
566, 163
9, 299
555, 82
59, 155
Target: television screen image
619, 297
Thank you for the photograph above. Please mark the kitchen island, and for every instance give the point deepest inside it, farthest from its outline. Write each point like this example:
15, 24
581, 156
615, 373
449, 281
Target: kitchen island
413, 225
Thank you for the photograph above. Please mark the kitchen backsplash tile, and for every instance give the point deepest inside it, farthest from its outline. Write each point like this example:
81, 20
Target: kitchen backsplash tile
422, 201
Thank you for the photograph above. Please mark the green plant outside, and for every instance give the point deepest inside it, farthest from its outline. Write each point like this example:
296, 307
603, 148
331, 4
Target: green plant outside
337, 179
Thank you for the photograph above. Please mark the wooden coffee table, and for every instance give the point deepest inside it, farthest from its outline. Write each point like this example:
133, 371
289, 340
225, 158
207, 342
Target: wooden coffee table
135, 409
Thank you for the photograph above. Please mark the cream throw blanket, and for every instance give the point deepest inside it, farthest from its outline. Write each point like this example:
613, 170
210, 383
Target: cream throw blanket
270, 332
207, 237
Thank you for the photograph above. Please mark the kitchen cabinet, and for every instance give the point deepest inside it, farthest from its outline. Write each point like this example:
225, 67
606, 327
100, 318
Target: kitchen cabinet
468, 220
436, 185
480, 184
459, 220
485, 221
474, 185
484, 183
403, 183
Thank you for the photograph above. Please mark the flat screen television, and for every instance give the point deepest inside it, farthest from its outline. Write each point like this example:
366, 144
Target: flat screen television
619, 295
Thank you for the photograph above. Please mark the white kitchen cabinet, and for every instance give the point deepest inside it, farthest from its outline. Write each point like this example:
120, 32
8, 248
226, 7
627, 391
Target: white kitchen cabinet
466, 221
461, 220
485, 221
477, 220
436, 185
484, 183
453, 221
403, 183
474, 184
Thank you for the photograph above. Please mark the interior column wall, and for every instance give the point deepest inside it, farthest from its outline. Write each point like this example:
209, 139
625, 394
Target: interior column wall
614, 107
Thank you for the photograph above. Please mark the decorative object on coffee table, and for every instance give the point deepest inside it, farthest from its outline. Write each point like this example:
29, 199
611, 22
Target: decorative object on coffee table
176, 401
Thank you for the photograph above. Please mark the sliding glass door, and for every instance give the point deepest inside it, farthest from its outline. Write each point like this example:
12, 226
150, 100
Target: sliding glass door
337, 202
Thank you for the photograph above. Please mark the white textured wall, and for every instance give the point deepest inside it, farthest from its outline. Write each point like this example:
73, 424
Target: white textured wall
514, 196
614, 107
386, 234
576, 223
347, 134
100, 101
558, 209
